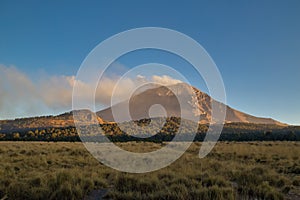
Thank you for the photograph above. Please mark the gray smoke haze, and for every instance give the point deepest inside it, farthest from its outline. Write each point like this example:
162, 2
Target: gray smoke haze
20, 96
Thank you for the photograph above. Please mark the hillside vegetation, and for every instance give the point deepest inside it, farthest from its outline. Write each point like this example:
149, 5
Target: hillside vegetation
38, 130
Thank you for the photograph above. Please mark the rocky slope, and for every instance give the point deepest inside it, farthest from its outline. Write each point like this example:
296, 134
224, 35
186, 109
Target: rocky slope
199, 105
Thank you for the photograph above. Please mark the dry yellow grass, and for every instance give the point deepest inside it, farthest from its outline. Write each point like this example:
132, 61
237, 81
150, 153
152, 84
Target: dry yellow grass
262, 170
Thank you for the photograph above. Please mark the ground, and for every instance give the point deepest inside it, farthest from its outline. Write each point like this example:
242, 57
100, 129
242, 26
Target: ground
252, 170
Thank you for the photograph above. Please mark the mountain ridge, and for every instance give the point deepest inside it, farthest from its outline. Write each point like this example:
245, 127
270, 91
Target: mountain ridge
142, 101
164, 96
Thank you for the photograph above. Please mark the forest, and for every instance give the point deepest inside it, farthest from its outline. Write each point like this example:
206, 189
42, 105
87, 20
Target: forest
170, 127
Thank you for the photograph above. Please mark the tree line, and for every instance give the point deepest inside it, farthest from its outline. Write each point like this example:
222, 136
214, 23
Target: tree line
171, 127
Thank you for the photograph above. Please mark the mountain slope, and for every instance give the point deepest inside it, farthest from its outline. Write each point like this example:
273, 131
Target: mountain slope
140, 104
63, 120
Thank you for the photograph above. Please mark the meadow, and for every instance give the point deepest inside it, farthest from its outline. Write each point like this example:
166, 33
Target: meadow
233, 170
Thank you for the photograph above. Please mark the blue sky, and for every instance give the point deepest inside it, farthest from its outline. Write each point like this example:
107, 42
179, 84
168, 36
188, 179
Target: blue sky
255, 44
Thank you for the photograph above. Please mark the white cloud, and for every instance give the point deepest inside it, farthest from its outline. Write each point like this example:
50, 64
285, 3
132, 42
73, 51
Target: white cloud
20, 96
165, 80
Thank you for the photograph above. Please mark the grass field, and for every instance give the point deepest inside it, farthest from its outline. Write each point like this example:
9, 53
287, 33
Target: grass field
253, 170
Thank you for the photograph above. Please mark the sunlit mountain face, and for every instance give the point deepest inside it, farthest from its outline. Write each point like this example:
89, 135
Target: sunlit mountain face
175, 101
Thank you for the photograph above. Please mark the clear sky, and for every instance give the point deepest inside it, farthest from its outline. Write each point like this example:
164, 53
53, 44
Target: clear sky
255, 44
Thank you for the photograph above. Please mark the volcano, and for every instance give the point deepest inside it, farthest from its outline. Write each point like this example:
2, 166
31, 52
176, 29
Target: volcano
169, 97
